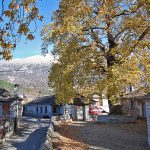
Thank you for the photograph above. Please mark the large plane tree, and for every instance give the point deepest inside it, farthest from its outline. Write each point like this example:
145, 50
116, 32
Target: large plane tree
101, 46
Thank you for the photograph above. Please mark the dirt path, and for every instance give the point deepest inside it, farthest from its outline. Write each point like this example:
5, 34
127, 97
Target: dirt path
67, 139
88, 135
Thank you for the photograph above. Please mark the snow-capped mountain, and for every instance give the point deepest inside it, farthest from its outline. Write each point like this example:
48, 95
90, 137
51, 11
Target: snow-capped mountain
37, 59
31, 72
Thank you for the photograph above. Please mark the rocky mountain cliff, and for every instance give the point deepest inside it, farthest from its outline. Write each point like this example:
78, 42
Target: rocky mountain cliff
29, 72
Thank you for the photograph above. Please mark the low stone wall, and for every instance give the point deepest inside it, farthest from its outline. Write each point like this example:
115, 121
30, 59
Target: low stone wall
47, 144
7, 128
116, 119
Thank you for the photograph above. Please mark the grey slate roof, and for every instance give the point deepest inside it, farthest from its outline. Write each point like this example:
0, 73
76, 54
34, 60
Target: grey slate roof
137, 95
11, 99
6, 96
43, 100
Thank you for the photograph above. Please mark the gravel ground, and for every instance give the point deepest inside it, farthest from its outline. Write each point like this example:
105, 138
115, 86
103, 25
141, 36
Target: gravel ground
94, 136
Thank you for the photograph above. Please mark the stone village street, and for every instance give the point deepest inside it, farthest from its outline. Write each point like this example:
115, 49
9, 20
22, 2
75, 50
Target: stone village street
79, 135
30, 135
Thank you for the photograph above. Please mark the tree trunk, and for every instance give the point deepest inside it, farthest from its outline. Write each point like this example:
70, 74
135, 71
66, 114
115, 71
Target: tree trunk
84, 113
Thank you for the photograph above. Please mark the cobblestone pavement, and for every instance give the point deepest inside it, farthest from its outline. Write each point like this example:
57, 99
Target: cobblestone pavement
29, 137
98, 136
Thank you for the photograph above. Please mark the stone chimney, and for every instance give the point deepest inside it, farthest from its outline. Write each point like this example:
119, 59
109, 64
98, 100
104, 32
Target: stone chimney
16, 90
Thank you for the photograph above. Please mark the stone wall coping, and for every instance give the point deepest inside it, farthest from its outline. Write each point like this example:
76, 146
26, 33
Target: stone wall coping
116, 119
47, 143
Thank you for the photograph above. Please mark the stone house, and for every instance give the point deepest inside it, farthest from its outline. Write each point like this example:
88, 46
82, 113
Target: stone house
44, 107
135, 104
10, 112
80, 112
85, 110
9, 104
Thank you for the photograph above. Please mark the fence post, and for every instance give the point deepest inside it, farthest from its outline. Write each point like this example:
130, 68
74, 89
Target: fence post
16, 124
3, 134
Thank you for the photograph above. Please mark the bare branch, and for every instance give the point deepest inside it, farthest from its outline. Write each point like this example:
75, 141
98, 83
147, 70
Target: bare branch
94, 28
111, 39
116, 36
2, 8
99, 44
142, 35
82, 47
127, 12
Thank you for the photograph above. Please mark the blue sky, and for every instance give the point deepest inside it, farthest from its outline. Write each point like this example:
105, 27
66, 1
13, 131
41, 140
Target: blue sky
30, 48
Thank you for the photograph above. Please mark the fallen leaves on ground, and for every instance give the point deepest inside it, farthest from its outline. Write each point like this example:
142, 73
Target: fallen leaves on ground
68, 138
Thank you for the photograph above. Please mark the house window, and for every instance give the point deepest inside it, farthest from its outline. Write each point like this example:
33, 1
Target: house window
37, 110
46, 109
54, 110
131, 88
132, 105
41, 110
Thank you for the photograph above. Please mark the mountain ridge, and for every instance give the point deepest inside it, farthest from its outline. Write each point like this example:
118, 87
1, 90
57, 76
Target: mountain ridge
32, 59
31, 72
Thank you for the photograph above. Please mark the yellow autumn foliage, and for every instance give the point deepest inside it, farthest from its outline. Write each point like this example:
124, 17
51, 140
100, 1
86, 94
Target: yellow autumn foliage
102, 46
15, 19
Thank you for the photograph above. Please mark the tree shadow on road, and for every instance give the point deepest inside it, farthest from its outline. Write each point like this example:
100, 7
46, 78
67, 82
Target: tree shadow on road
25, 139
34, 140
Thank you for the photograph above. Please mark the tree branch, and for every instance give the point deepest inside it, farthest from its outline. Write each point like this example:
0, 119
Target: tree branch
2, 9
82, 47
142, 36
94, 28
120, 32
96, 39
111, 39
127, 12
